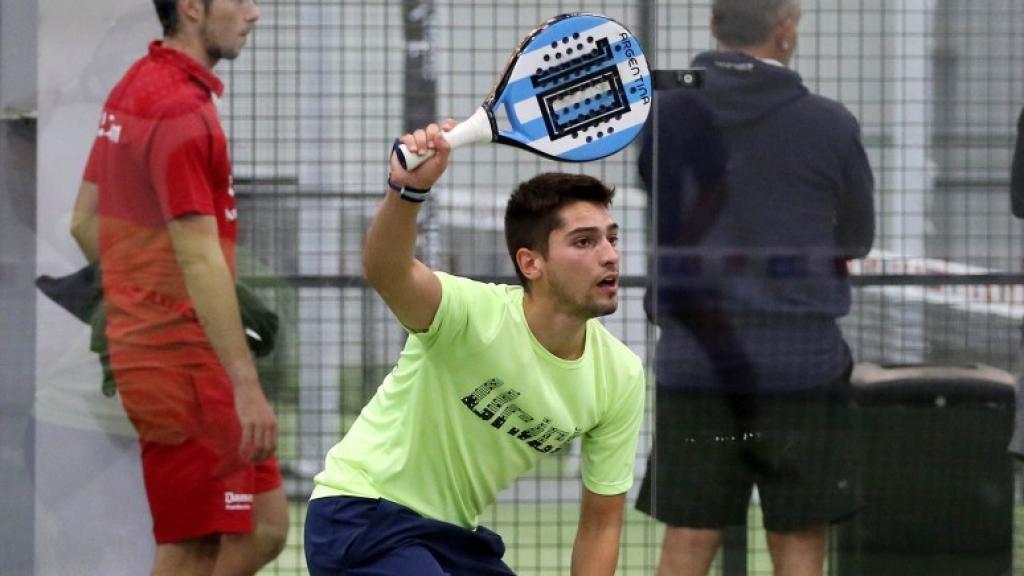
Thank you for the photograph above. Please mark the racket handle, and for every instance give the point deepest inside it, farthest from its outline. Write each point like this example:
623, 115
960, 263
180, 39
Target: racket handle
476, 128
411, 161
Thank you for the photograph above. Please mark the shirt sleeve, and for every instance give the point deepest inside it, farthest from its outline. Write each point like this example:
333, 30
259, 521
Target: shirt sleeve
692, 189
94, 165
609, 449
452, 313
180, 165
855, 230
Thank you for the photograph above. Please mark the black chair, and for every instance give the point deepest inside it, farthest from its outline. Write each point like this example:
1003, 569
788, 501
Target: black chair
935, 474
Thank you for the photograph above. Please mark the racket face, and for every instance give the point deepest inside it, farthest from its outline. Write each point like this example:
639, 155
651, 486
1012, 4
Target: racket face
578, 88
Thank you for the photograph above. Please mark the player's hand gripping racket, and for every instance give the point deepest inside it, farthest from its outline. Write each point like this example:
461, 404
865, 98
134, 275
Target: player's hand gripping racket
576, 89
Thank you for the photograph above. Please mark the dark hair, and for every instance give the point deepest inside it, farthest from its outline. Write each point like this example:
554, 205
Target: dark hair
745, 23
532, 211
167, 11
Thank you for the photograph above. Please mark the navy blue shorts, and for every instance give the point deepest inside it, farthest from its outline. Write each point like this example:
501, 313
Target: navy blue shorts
353, 536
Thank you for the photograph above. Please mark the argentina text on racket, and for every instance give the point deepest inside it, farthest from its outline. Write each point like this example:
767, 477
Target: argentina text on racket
634, 67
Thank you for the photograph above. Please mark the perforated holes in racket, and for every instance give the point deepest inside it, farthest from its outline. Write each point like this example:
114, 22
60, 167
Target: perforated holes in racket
581, 93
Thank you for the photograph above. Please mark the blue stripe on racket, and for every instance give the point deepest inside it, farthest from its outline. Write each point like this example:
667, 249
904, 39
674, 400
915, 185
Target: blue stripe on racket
576, 89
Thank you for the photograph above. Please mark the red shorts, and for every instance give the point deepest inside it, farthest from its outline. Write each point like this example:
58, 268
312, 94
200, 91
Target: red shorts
196, 481
188, 499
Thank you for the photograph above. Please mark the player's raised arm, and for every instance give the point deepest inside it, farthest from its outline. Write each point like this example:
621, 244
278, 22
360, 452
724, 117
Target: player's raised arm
408, 287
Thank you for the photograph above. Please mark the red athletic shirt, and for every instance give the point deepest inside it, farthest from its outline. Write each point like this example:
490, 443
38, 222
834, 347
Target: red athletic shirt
160, 153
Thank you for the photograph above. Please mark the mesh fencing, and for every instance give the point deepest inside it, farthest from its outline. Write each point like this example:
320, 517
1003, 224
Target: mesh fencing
324, 86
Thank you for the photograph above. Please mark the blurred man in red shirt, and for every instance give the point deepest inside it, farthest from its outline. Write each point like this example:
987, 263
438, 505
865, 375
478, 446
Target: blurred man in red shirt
156, 209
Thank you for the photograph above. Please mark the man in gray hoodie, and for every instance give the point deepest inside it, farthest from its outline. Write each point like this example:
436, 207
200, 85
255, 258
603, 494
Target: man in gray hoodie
764, 192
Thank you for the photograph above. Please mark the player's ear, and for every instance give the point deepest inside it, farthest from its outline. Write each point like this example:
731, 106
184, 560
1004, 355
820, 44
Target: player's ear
191, 10
785, 37
530, 263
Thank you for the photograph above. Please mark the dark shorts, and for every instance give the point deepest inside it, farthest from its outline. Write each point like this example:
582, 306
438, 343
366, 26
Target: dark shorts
363, 537
797, 449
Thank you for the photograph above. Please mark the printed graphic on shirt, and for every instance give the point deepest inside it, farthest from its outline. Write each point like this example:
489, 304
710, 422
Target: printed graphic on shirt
504, 414
109, 128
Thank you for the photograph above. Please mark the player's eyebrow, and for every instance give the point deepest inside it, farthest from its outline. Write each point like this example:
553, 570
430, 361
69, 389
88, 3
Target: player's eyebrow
613, 227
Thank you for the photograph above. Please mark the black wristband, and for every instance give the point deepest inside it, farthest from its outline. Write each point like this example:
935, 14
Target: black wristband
409, 193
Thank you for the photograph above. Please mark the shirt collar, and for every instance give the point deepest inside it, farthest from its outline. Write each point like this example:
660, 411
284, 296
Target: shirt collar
183, 61
773, 62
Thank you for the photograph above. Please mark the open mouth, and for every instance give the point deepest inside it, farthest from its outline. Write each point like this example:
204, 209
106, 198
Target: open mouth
609, 282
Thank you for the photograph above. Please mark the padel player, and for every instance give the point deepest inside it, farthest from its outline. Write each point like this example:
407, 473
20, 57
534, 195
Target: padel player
157, 209
492, 378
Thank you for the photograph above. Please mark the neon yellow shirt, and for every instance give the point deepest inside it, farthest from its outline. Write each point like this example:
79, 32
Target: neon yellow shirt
475, 401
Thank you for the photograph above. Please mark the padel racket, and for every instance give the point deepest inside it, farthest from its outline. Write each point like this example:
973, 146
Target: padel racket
576, 89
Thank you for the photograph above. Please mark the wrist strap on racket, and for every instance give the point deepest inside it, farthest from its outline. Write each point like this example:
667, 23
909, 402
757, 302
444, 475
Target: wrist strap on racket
409, 193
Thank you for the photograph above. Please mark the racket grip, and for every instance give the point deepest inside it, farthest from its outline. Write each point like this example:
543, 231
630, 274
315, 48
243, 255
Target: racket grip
411, 161
476, 128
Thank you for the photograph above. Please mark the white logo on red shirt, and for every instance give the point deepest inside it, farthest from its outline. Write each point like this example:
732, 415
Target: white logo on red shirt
231, 214
109, 129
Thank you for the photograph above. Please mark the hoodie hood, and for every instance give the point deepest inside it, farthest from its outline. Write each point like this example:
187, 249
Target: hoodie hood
742, 88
